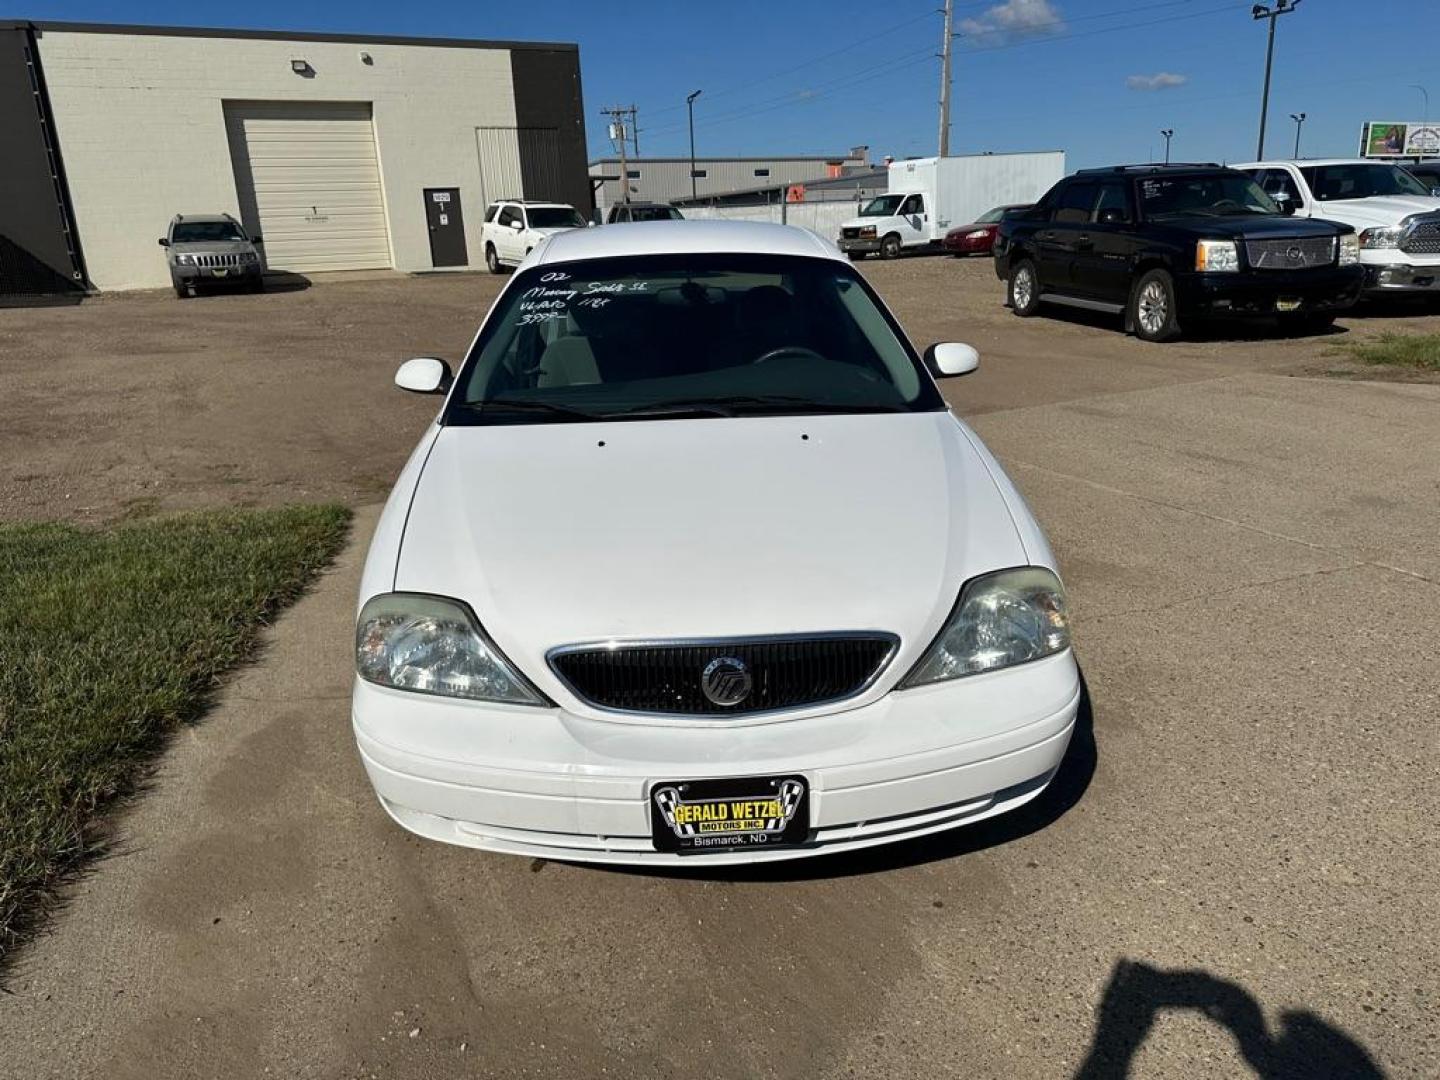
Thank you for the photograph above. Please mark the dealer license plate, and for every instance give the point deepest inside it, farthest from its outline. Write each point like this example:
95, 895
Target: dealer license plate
696, 816
1287, 303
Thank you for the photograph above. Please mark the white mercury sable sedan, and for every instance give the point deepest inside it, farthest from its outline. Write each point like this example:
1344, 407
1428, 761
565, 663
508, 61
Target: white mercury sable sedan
695, 564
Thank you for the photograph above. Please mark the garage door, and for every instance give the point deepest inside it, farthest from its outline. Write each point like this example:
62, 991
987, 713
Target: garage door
308, 181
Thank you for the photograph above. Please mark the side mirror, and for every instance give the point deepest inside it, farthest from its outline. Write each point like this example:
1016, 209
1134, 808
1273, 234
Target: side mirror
424, 375
517, 225
257, 239
950, 358
1435, 191
1113, 215
164, 242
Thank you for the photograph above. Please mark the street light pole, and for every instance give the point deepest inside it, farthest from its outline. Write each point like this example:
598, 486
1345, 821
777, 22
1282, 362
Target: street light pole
1262, 11
690, 108
1424, 120
1167, 132
1299, 119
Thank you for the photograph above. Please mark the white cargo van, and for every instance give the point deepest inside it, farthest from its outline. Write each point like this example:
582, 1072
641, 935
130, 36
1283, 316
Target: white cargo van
929, 196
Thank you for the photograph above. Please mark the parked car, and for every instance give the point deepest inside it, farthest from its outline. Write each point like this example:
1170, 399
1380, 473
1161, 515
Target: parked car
1428, 173
1168, 244
979, 237
513, 227
1396, 215
211, 249
927, 197
697, 564
642, 211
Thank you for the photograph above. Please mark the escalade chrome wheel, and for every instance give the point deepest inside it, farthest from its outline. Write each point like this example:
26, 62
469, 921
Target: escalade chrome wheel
1024, 289
1152, 307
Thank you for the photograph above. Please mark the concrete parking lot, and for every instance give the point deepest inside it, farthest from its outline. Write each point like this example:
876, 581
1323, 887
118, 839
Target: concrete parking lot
1234, 874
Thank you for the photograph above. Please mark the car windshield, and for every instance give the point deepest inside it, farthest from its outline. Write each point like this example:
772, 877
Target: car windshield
554, 217
687, 336
991, 217
1207, 195
1334, 183
654, 213
200, 232
882, 206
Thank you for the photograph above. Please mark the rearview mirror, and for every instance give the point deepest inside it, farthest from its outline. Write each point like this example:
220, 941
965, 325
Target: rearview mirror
164, 242
424, 375
948, 359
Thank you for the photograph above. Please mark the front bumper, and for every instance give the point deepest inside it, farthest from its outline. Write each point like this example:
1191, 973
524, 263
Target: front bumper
550, 784
1258, 293
867, 246
184, 275
1402, 277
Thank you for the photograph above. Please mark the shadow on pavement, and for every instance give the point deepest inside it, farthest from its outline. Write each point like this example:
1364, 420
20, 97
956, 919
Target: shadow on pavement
1065, 790
1304, 1048
285, 281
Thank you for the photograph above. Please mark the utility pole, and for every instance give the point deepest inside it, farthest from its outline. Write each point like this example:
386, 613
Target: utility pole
1299, 119
690, 108
945, 79
1167, 132
1264, 11
618, 114
635, 129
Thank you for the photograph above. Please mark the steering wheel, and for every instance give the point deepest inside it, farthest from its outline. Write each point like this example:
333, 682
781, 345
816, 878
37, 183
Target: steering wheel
788, 350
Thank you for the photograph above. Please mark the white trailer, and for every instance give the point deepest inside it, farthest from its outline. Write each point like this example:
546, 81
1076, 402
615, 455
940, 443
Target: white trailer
928, 197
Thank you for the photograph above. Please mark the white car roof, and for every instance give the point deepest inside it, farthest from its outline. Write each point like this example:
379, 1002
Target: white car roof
1307, 162
683, 237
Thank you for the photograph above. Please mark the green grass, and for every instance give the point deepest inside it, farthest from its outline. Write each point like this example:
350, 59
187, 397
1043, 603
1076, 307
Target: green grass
108, 640
1399, 350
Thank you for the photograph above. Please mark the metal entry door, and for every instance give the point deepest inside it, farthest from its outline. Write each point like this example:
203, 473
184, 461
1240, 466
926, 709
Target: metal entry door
447, 227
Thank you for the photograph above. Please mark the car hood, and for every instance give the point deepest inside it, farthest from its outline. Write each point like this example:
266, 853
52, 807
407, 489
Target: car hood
1256, 226
551, 231
1379, 211
861, 222
557, 534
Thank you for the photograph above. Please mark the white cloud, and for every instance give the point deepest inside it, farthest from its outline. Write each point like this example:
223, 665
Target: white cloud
1014, 19
1161, 80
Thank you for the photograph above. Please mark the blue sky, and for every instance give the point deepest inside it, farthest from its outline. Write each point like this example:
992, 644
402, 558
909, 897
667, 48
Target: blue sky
1097, 78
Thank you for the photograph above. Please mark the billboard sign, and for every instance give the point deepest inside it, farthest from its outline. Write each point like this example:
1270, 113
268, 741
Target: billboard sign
1399, 139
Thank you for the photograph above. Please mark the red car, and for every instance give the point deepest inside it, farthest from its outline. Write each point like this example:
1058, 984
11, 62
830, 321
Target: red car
979, 238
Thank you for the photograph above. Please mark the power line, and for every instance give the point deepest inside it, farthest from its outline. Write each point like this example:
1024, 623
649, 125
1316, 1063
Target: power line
887, 67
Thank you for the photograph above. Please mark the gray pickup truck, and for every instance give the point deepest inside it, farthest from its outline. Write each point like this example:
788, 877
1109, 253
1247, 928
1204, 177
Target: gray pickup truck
211, 249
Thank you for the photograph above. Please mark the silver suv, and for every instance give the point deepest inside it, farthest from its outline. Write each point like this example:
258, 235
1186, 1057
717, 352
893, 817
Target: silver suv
206, 248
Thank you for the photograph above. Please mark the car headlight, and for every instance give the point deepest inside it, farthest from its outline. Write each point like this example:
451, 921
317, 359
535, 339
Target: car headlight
867, 232
1002, 619
1349, 249
1217, 256
249, 256
185, 260
432, 645
1382, 238
977, 234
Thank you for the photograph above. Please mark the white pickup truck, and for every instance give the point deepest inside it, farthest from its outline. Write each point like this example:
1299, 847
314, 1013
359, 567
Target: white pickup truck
1397, 216
929, 196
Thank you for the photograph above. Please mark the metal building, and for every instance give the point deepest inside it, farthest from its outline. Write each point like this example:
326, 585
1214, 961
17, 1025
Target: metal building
333, 147
667, 179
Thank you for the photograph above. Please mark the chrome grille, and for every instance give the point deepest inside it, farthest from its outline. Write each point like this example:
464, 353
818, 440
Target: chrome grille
665, 677
218, 260
1423, 237
1297, 254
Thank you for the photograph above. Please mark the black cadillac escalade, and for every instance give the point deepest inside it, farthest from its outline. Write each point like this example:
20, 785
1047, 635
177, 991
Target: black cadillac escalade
1170, 244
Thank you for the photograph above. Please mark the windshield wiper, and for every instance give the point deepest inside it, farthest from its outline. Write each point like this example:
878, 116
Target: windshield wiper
731, 404
499, 405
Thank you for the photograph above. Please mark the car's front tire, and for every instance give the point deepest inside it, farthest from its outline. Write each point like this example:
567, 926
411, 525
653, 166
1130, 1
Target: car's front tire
890, 247
1024, 289
1151, 312
492, 260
